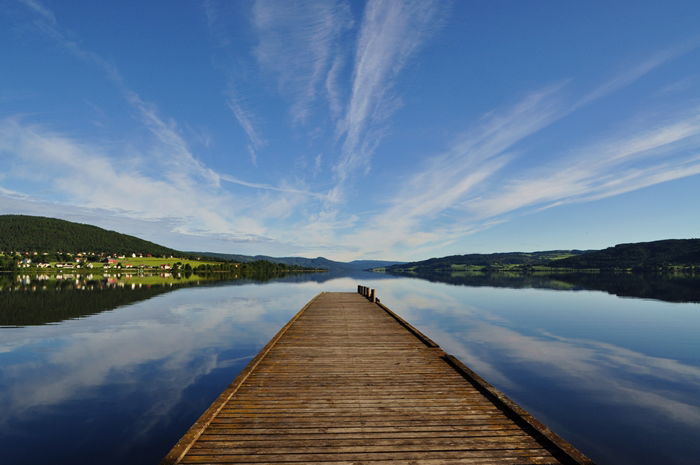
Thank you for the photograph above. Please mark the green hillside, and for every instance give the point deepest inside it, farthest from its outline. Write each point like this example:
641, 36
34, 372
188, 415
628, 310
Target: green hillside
39, 234
639, 255
683, 253
478, 261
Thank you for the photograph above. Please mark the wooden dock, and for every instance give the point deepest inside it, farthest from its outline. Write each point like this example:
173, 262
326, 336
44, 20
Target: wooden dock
347, 381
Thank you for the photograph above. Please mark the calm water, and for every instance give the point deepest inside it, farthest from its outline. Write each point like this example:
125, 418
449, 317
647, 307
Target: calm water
125, 375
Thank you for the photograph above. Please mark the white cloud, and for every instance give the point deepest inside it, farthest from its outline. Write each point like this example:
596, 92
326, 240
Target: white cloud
170, 204
606, 371
603, 169
586, 363
176, 199
85, 175
85, 358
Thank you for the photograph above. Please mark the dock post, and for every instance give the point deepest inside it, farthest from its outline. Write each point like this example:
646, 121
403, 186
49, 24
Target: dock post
372, 295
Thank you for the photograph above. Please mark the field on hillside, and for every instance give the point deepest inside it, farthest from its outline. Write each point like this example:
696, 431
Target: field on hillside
155, 261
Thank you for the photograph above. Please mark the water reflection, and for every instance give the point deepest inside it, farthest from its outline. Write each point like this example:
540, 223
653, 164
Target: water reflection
34, 299
120, 380
671, 287
618, 377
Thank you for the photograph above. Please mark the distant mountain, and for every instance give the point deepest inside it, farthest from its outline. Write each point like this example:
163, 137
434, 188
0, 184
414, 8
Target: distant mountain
318, 262
39, 234
639, 255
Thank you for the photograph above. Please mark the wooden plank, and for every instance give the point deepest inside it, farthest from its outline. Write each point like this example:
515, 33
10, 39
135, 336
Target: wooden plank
359, 456
349, 381
183, 445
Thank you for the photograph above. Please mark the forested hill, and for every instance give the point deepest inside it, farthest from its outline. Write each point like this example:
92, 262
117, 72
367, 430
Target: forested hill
505, 259
641, 255
39, 234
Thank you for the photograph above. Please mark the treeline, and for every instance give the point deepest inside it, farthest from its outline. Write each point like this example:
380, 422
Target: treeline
39, 234
8, 262
248, 268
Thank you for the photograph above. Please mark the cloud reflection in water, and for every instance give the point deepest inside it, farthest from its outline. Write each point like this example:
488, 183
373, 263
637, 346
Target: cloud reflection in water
567, 360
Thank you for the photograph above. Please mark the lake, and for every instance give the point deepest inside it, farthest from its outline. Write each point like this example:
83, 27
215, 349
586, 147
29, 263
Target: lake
117, 375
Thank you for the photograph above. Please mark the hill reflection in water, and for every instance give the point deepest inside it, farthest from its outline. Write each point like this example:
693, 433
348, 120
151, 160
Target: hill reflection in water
37, 299
677, 287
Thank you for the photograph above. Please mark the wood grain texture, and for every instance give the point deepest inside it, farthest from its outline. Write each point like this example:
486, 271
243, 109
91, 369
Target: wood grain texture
347, 381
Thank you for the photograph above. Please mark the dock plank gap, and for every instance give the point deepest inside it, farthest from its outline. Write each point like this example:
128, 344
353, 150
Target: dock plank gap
348, 381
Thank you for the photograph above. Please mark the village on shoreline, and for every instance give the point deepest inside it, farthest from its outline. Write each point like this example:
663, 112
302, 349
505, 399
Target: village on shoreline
91, 261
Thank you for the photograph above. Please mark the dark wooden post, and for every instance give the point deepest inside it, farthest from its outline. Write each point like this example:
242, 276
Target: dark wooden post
372, 295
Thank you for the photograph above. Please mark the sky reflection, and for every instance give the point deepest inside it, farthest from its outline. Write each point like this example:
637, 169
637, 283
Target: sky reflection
560, 353
618, 377
147, 356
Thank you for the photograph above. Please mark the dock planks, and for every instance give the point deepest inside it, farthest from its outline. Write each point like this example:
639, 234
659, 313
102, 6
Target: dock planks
347, 381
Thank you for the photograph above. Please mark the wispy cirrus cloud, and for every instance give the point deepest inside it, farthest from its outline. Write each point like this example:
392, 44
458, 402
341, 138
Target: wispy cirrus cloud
161, 179
390, 34
334, 88
299, 42
333, 69
446, 179
46, 23
246, 120
88, 180
179, 154
624, 162
587, 361
235, 69
471, 186
491, 341
257, 185
636, 71
174, 152
87, 175
41, 10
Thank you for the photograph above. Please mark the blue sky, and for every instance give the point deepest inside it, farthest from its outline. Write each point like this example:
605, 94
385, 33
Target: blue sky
385, 129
